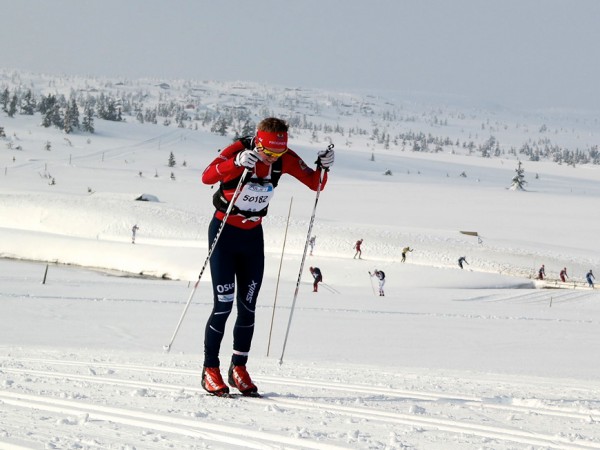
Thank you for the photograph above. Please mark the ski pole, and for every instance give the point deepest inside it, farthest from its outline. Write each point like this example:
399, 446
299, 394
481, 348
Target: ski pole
211, 249
330, 288
310, 226
279, 275
371, 280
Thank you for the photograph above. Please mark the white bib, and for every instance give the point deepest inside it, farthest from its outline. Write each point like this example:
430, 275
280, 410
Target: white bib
254, 196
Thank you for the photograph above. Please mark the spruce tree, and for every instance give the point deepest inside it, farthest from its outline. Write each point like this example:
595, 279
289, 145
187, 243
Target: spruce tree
71, 119
101, 107
67, 120
47, 118
27, 104
518, 181
12, 108
4, 99
220, 126
56, 117
46, 103
172, 161
87, 124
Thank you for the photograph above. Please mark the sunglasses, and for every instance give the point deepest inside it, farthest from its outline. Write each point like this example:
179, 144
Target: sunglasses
270, 153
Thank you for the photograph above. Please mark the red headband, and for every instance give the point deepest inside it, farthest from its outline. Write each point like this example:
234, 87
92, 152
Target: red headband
272, 140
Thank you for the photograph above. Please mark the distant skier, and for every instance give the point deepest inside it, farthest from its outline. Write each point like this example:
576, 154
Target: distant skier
541, 273
133, 231
590, 279
311, 242
357, 248
381, 277
317, 276
563, 275
462, 260
405, 250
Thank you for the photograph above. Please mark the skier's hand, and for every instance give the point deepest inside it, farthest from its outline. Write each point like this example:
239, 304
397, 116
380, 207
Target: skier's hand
247, 159
325, 158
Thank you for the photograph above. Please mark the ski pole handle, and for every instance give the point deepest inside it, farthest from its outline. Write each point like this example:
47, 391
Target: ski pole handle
326, 153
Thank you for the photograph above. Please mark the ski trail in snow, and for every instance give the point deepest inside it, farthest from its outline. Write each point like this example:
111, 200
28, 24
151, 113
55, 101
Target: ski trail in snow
374, 393
188, 427
326, 385
483, 430
182, 426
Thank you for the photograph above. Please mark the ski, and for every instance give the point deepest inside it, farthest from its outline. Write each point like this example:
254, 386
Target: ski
236, 395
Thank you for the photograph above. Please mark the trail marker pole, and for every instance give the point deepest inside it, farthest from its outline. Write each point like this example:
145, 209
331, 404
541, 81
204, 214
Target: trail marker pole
279, 275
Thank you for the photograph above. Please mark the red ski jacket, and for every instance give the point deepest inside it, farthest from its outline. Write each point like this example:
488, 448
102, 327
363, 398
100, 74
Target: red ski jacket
223, 169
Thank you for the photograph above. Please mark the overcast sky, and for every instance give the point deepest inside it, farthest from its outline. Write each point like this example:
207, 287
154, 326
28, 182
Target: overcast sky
516, 52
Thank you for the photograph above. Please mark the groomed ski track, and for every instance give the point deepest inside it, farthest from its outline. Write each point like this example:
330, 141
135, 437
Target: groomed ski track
475, 417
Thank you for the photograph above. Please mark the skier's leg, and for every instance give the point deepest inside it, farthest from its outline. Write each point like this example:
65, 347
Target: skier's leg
250, 265
223, 280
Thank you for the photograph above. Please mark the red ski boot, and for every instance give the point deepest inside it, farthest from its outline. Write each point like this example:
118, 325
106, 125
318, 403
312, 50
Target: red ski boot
240, 379
213, 383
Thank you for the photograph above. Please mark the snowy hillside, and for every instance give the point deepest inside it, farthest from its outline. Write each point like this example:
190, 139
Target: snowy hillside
483, 358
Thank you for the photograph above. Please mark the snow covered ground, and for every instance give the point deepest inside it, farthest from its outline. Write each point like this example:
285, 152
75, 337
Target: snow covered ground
481, 358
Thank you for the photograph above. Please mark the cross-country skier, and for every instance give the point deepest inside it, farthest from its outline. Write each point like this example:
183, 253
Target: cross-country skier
237, 262
590, 279
462, 260
133, 231
311, 242
405, 250
357, 248
381, 277
317, 276
563, 275
541, 273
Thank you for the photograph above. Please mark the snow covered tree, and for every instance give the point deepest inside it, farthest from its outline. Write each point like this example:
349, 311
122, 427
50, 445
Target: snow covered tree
46, 103
150, 116
53, 117
71, 118
27, 106
220, 126
4, 99
111, 111
172, 161
87, 124
12, 107
518, 181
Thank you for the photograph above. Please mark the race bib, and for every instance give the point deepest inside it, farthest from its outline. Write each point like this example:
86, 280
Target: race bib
254, 197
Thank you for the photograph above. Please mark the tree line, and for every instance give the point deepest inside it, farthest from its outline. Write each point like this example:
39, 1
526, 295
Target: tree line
79, 110
57, 111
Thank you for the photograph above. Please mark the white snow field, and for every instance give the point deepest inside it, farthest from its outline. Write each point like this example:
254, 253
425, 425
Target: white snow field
481, 358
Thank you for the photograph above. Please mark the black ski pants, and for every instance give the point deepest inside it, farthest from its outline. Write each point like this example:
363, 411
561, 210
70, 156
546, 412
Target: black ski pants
237, 267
